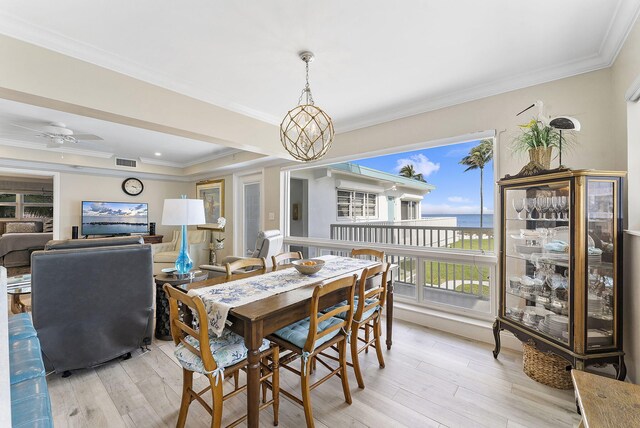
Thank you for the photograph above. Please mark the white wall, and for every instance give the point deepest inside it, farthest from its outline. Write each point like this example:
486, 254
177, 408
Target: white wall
321, 210
75, 188
588, 97
627, 129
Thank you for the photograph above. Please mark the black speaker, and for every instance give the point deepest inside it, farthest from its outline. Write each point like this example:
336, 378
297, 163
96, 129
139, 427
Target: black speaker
74, 232
152, 228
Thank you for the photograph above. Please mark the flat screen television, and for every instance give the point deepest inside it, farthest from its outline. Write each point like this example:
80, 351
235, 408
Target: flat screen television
114, 218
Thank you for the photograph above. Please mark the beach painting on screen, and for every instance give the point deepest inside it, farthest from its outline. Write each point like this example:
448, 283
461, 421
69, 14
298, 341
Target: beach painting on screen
114, 218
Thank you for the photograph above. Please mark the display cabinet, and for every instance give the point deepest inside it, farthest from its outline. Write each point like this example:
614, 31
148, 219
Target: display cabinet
561, 265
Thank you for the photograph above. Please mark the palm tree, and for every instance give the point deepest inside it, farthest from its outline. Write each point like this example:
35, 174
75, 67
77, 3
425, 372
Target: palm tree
478, 157
410, 172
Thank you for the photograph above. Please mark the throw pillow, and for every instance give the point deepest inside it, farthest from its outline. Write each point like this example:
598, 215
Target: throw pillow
25, 227
47, 225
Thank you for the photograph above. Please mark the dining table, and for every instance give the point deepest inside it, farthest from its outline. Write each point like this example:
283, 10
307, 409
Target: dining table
271, 311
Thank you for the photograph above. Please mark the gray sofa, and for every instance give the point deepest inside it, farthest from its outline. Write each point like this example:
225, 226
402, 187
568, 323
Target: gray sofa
16, 247
92, 300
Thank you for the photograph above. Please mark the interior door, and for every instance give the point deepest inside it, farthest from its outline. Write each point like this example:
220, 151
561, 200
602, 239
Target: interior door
250, 207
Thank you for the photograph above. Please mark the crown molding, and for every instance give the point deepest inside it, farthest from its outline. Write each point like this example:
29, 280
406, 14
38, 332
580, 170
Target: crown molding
20, 29
38, 167
620, 25
497, 87
107, 155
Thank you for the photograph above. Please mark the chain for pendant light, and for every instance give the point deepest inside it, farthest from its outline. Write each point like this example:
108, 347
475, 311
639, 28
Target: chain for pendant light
306, 131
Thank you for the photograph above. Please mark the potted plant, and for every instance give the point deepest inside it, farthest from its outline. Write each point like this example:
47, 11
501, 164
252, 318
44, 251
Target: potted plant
538, 139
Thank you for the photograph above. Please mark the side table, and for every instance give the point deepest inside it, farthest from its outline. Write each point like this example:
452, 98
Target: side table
19, 285
17, 306
163, 327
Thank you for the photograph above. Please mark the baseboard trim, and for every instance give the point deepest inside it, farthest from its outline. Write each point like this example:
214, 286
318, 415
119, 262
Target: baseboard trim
469, 328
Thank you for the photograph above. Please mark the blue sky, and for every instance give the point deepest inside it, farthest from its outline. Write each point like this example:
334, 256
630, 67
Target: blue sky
457, 192
113, 209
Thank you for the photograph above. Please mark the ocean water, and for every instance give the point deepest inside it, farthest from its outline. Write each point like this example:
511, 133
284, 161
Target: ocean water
113, 225
468, 220
113, 229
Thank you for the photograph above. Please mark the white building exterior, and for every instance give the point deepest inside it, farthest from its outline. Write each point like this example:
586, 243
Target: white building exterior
350, 193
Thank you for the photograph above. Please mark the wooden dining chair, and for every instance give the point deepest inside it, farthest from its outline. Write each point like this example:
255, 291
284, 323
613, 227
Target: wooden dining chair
245, 268
308, 338
282, 257
370, 299
368, 252
215, 358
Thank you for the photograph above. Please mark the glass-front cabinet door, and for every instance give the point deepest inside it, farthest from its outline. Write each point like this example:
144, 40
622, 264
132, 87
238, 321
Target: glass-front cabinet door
537, 258
560, 265
601, 263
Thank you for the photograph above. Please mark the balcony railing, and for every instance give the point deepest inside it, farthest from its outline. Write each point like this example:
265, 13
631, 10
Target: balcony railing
430, 278
460, 280
418, 233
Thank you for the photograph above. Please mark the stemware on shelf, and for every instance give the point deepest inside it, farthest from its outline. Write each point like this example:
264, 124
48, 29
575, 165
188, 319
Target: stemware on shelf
518, 205
529, 206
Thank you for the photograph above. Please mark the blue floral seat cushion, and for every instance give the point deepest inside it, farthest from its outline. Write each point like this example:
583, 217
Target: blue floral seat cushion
298, 332
343, 315
227, 350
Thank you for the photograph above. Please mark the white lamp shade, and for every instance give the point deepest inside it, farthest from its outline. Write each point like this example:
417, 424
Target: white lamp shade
177, 212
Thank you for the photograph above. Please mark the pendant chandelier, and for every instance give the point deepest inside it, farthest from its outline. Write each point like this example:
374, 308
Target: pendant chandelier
306, 132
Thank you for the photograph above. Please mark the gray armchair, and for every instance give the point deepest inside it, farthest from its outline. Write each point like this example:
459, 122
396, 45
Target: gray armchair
166, 253
92, 300
269, 243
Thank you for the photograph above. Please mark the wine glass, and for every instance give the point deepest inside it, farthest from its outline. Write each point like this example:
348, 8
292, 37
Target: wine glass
541, 207
518, 205
545, 206
555, 207
564, 207
529, 205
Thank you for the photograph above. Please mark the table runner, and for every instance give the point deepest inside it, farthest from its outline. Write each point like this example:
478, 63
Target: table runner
219, 299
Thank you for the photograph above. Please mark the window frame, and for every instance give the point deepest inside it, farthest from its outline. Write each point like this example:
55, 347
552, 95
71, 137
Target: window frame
488, 258
20, 206
367, 197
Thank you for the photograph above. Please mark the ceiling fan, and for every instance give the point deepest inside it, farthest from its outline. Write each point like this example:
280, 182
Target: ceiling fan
58, 134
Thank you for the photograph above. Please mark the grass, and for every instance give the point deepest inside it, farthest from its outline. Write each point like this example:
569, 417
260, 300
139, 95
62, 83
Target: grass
438, 273
473, 244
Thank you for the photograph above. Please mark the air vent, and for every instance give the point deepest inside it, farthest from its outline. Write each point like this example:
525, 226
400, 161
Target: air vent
130, 163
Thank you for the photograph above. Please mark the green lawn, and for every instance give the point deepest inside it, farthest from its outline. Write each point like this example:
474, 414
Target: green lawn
439, 273
474, 244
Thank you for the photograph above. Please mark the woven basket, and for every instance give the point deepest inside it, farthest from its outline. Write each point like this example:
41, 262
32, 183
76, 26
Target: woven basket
548, 369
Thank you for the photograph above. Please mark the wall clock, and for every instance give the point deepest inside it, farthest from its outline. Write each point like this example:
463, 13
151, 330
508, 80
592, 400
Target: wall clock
132, 186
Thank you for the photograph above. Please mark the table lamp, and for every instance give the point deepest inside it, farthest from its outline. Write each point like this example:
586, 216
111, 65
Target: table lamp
183, 212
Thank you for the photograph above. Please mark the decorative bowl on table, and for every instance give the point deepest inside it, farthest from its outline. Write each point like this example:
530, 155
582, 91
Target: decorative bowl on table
308, 266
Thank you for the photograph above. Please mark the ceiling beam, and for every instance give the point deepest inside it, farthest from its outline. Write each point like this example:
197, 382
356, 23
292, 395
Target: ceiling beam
38, 76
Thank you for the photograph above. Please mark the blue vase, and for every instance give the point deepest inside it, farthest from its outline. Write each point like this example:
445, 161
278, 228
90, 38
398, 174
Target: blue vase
183, 262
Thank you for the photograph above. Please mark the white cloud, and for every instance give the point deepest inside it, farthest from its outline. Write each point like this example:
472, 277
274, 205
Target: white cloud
453, 209
458, 199
420, 163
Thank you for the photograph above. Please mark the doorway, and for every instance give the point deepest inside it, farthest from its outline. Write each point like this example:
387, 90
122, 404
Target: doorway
249, 216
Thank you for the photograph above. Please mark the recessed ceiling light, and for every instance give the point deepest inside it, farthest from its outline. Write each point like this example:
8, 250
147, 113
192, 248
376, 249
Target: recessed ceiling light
158, 154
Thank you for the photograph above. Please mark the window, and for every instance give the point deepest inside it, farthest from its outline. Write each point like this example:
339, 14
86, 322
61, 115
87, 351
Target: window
423, 206
408, 210
26, 206
357, 205
8, 205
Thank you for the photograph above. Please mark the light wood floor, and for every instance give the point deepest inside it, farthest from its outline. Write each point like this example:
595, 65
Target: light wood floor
431, 379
